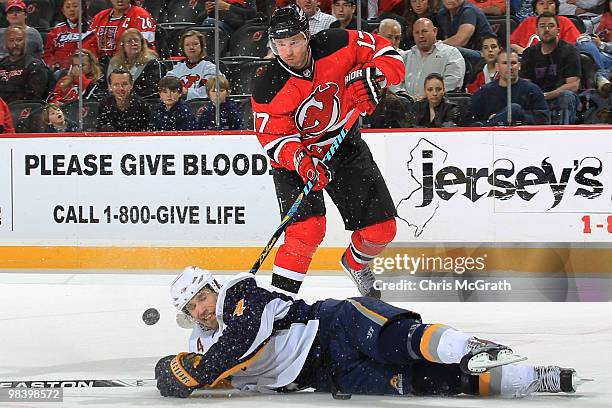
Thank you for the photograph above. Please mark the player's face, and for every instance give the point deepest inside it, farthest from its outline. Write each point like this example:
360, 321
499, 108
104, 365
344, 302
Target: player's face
343, 10
203, 308
434, 91
489, 50
71, 10
547, 29
16, 16
192, 48
392, 33
545, 5
15, 43
132, 45
293, 50
515, 65
420, 7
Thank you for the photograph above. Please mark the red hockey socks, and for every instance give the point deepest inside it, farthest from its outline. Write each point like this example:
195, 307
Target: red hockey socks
294, 256
368, 242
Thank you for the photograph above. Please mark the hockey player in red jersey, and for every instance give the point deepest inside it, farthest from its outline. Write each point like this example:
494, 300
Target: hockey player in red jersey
108, 26
299, 105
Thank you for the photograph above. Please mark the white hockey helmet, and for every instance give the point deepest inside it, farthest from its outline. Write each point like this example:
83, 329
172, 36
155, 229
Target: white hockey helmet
188, 283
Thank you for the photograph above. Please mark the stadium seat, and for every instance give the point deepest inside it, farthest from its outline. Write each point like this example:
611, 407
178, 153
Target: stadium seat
250, 40
498, 25
41, 13
247, 113
588, 68
21, 110
578, 23
90, 114
197, 105
463, 100
155, 7
241, 78
183, 11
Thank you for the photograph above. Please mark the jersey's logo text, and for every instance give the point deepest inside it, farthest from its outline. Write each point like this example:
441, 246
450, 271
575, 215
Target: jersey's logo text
319, 111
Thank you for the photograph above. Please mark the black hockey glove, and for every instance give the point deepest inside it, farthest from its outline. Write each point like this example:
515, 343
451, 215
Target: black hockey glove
175, 374
364, 88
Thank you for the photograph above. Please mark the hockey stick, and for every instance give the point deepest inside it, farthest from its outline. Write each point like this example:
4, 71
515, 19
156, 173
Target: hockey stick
307, 188
148, 382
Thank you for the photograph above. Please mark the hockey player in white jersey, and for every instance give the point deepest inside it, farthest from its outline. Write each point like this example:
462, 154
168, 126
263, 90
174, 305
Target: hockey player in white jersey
261, 340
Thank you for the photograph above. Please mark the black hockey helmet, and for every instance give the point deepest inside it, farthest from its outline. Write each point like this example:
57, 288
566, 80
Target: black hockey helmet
288, 21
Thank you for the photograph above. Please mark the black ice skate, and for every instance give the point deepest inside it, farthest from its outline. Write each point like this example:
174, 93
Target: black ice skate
363, 279
482, 355
557, 379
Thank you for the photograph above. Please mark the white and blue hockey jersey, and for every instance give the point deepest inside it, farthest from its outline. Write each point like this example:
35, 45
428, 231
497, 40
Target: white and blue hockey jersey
263, 338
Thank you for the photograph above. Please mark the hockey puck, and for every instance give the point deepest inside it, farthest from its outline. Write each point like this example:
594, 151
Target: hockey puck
150, 316
341, 396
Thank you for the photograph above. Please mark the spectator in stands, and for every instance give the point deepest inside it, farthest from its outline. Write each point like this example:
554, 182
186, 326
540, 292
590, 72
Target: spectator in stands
392, 30
526, 34
416, 9
317, 20
16, 15
489, 106
93, 82
56, 121
434, 110
110, 24
344, 12
554, 65
6, 121
172, 112
524, 10
491, 7
602, 41
21, 76
604, 28
195, 69
430, 56
462, 24
122, 111
134, 55
487, 69
230, 116
580, 7
62, 40
233, 14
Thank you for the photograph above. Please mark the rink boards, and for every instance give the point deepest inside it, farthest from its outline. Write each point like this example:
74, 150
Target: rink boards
526, 200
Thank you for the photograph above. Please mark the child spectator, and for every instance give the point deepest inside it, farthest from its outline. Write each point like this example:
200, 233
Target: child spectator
229, 115
94, 83
487, 70
56, 121
172, 113
195, 69
135, 56
6, 121
62, 41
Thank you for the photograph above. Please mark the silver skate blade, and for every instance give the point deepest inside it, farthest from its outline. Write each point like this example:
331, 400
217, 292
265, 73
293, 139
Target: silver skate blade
577, 381
482, 362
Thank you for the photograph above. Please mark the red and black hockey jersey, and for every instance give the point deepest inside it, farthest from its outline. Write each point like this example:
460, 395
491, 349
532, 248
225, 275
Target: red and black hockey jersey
311, 106
62, 41
108, 29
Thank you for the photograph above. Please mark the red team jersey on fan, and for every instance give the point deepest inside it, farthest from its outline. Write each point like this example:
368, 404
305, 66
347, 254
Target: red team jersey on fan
62, 41
311, 106
108, 29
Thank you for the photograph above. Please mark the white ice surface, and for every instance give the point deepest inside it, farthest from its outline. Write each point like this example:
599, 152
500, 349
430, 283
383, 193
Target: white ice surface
78, 326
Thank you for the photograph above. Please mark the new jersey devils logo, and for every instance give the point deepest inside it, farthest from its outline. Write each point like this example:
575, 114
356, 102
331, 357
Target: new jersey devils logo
320, 111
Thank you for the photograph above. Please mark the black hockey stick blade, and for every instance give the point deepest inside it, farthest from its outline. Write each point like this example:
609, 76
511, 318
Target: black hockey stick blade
307, 188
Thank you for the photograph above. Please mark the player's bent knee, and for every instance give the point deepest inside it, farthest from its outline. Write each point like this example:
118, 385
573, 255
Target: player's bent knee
309, 232
383, 232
